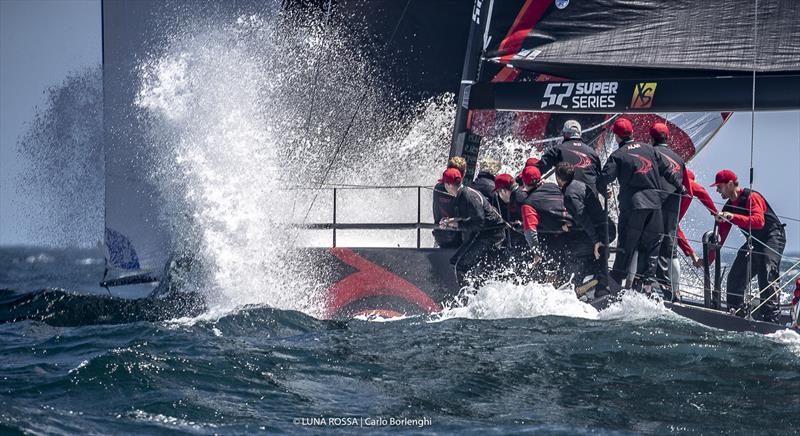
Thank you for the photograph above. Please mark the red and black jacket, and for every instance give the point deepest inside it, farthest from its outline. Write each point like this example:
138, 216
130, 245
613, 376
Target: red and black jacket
639, 169
545, 211
582, 157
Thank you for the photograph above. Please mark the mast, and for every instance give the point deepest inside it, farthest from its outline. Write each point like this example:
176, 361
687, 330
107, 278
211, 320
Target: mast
465, 144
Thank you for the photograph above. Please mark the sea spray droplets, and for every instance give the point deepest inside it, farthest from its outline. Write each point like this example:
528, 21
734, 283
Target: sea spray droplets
233, 121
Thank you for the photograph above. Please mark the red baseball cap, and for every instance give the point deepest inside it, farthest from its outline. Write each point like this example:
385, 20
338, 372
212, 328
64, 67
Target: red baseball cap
503, 181
532, 161
531, 174
724, 176
690, 173
659, 131
622, 127
452, 176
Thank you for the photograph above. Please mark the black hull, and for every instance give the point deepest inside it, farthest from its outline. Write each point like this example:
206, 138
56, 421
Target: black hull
410, 281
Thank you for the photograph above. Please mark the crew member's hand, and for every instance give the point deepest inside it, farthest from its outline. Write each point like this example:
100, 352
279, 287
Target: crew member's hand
448, 223
697, 261
565, 227
723, 217
597, 247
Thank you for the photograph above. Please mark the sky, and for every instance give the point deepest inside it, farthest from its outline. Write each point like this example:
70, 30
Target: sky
41, 41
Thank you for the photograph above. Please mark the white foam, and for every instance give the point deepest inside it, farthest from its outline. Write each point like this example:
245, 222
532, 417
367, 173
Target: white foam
635, 306
498, 300
788, 337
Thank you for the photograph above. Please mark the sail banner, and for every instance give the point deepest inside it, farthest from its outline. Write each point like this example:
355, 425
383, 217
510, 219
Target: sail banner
640, 95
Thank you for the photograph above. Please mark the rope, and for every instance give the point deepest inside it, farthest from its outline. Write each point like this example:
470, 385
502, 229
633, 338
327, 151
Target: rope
752, 142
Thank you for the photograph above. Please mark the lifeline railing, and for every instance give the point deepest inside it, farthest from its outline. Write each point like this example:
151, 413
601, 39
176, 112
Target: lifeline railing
335, 225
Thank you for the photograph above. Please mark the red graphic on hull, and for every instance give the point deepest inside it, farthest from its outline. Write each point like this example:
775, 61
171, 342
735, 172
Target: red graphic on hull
371, 280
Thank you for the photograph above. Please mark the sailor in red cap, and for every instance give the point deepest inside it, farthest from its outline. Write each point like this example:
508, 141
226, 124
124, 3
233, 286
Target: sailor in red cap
638, 167
749, 211
480, 223
584, 159
444, 207
670, 209
504, 199
545, 221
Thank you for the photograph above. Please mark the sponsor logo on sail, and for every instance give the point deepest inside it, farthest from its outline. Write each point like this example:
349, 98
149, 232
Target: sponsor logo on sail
581, 95
643, 94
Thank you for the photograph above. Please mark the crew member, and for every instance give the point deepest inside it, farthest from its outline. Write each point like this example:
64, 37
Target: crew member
545, 221
484, 181
504, 199
530, 162
479, 221
749, 211
671, 206
637, 166
699, 192
585, 238
443, 207
582, 157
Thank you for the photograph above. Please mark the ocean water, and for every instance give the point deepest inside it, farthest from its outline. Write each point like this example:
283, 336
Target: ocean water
517, 359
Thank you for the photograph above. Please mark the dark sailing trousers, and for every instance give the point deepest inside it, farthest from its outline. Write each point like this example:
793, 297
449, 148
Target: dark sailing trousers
554, 251
581, 262
766, 265
639, 230
669, 241
474, 256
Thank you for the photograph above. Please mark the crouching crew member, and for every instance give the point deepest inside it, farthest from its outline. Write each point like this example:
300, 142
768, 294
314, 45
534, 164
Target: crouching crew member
670, 208
545, 221
584, 159
749, 211
480, 224
638, 168
444, 207
585, 238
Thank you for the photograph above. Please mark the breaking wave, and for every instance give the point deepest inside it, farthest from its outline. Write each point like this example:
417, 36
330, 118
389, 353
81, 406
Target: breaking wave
234, 122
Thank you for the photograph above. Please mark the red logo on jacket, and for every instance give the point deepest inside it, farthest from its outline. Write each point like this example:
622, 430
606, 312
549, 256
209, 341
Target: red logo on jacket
646, 167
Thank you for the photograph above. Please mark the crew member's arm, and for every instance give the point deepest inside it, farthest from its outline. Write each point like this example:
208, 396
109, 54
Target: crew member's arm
548, 160
756, 205
607, 175
702, 195
530, 222
666, 171
684, 244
